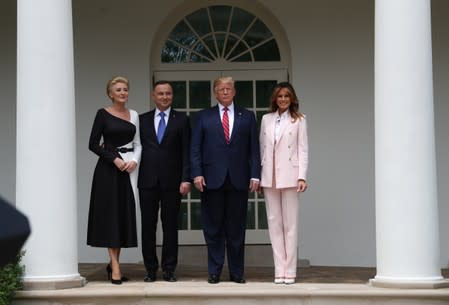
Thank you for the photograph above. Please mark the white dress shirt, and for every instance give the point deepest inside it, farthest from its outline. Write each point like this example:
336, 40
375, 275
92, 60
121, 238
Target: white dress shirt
157, 117
280, 121
230, 116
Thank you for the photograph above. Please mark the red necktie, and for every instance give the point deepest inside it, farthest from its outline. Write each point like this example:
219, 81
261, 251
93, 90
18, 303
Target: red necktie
225, 123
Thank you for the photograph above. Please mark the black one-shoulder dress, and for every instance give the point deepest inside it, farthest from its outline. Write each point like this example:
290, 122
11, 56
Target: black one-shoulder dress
112, 212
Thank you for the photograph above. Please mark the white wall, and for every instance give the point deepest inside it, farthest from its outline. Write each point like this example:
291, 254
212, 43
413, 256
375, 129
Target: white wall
332, 44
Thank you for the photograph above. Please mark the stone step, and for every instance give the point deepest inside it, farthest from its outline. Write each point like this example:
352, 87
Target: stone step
189, 292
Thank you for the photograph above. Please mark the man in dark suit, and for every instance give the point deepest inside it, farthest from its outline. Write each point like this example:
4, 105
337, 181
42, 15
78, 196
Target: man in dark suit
164, 176
225, 162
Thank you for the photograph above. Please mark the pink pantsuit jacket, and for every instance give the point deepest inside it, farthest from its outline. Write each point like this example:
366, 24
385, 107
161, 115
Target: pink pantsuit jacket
291, 152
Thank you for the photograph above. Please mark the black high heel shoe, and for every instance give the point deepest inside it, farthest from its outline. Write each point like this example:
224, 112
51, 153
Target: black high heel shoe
109, 272
116, 282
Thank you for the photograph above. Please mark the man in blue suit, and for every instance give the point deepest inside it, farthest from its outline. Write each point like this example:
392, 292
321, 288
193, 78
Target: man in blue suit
164, 176
225, 162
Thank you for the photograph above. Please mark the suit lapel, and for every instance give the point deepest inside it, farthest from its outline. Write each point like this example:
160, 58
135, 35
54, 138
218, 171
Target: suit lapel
270, 127
151, 130
170, 124
237, 120
217, 123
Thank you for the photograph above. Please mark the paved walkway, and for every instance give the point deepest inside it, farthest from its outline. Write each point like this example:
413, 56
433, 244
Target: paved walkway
313, 274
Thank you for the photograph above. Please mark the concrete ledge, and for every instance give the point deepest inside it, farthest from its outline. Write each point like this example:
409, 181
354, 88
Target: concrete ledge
54, 284
436, 284
201, 293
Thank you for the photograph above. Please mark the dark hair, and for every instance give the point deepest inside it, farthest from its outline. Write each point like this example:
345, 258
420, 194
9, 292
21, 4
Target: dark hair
294, 105
161, 82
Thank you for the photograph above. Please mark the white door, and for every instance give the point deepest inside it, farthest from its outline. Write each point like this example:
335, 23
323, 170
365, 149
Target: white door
193, 92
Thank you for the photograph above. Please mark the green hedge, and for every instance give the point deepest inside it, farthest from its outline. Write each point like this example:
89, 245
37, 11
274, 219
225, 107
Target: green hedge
11, 280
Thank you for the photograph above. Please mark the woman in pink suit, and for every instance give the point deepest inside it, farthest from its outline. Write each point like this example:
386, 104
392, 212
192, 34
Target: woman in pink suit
284, 155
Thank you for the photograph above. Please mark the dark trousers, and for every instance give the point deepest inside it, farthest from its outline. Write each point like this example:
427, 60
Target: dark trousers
168, 201
223, 213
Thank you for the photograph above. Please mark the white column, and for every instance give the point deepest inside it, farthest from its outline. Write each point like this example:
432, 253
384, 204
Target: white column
408, 253
46, 160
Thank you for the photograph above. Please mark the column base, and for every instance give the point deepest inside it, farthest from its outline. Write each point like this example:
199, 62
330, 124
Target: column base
404, 283
53, 283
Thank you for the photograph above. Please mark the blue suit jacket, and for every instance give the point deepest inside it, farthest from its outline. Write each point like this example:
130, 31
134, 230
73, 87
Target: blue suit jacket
165, 164
213, 158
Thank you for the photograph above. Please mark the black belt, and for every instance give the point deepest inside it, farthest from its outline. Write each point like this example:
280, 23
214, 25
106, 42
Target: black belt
124, 149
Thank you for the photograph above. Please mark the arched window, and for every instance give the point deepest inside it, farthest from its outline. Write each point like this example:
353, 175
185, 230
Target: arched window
220, 33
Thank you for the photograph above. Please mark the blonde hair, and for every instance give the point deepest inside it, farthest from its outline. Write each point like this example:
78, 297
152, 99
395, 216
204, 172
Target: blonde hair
115, 80
223, 80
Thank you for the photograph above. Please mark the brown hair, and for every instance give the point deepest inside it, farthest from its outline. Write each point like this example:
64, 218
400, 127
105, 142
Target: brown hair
161, 82
294, 105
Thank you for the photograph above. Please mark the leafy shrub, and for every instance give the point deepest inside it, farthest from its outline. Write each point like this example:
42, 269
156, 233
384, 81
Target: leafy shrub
11, 280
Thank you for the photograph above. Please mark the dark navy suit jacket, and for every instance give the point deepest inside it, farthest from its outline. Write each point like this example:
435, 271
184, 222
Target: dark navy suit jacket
165, 164
213, 158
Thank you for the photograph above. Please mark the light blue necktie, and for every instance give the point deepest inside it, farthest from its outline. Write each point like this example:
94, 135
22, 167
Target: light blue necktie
161, 128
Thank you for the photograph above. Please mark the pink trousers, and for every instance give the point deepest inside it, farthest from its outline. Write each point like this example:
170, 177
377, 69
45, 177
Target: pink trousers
282, 214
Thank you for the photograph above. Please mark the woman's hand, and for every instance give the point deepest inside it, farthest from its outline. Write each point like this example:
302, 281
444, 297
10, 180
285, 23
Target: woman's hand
120, 164
302, 186
130, 166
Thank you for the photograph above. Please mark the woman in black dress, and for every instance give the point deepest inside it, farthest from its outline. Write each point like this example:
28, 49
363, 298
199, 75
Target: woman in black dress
112, 214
